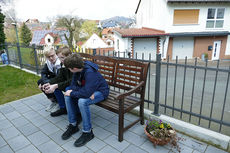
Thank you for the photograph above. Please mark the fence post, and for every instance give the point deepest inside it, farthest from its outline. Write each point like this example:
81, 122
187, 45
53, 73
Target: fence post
157, 84
35, 57
19, 55
7, 52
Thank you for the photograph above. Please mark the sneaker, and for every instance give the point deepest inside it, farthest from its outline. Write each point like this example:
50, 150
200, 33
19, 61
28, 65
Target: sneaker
84, 138
70, 131
55, 108
59, 112
78, 118
50, 107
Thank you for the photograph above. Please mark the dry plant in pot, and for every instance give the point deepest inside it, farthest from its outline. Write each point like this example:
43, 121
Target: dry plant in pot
160, 133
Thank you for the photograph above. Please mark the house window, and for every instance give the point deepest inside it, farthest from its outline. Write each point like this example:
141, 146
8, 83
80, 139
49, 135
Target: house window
109, 43
215, 18
186, 16
48, 40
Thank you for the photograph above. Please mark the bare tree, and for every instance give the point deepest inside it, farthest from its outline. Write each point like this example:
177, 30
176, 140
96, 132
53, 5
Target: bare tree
73, 25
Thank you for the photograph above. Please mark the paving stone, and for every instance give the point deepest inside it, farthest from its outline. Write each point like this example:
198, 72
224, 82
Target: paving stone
38, 138
56, 137
2, 117
49, 147
101, 122
130, 117
95, 109
132, 148
134, 138
28, 129
148, 146
37, 107
20, 121
49, 128
2, 142
12, 115
54, 119
138, 129
113, 128
106, 114
211, 149
9, 133
109, 149
39, 121
5, 124
6, 149
31, 114
23, 109
29, 149
62, 124
101, 133
194, 144
17, 104
44, 113
183, 148
18, 142
70, 148
113, 141
6, 108
95, 144
89, 151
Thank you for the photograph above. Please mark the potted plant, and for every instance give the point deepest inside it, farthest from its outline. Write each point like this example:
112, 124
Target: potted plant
160, 133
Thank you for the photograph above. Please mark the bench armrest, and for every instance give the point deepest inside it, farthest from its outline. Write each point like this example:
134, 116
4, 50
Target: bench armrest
123, 95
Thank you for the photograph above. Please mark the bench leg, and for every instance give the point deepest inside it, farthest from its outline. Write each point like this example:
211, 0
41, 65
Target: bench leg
121, 121
142, 112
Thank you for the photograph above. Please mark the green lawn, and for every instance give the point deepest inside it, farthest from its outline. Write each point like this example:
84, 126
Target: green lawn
16, 84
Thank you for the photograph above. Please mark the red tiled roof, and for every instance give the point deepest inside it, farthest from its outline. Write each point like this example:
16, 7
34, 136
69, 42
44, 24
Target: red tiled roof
140, 32
57, 40
106, 31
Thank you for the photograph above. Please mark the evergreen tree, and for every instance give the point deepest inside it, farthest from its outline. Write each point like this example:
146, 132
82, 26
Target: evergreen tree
2, 34
25, 34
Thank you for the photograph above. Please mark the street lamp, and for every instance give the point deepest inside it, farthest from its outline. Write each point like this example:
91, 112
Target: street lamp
16, 30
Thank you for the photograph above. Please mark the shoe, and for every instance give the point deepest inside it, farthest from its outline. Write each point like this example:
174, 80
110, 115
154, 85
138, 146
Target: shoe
70, 131
84, 138
55, 108
51, 106
59, 112
78, 118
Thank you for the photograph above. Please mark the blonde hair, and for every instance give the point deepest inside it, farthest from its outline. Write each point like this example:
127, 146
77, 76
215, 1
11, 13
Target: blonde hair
47, 52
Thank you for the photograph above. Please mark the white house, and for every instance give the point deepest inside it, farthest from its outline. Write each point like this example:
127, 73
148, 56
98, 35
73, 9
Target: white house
94, 42
191, 28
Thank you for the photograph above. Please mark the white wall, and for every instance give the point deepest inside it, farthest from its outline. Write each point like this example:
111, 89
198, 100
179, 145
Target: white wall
159, 14
94, 42
49, 37
227, 51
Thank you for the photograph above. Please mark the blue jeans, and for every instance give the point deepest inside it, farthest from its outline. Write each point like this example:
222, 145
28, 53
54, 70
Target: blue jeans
74, 106
60, 98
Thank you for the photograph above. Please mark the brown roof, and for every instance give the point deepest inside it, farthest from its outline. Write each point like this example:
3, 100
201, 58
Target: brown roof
140, 32
106, 31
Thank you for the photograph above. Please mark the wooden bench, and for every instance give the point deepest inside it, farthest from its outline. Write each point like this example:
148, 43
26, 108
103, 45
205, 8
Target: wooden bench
127, 80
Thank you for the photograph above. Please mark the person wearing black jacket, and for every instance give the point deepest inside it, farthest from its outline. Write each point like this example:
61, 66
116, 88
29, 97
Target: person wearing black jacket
61, 81
49, 71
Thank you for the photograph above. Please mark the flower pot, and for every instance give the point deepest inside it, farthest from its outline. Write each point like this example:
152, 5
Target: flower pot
156, 141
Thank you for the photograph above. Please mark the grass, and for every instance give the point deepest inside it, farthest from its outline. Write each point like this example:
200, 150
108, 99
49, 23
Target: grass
16, 84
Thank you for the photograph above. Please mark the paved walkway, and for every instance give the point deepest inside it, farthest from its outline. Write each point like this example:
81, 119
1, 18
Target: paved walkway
25, 127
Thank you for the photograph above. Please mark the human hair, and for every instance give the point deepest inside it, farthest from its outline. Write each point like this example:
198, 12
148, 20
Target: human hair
47, 52
65, 51
74, 61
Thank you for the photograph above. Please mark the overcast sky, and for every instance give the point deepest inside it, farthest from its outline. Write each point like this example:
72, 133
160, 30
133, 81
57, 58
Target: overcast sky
86, 9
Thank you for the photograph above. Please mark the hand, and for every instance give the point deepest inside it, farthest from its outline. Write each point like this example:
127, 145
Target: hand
67, 93
92, 97
40, 86
45, 86
50, 88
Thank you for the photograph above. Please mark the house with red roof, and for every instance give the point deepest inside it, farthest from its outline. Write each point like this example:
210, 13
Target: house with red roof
107, 36
178, 29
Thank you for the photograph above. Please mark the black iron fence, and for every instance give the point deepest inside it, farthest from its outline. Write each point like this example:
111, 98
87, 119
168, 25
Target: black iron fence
194, 91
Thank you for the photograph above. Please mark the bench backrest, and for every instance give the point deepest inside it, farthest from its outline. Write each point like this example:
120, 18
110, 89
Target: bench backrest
121, 73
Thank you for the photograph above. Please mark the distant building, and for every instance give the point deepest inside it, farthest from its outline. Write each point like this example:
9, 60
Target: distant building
49, 38
107, 36
94, 42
